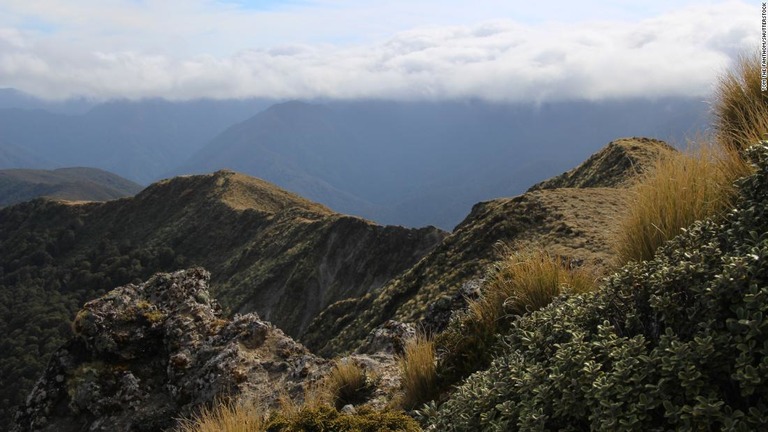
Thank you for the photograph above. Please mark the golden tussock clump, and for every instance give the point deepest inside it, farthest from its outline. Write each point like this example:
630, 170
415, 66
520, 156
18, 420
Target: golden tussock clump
697, 184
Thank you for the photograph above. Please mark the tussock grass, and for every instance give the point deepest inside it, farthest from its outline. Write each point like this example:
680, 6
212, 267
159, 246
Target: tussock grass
521, 282
418, 372
740, 107
680, 189
347, 383
316, 413
226, 417
695, 185
327, 419
527, 281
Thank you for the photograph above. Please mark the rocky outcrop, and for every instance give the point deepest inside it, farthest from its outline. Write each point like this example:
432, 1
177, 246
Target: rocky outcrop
616, 165
143, 355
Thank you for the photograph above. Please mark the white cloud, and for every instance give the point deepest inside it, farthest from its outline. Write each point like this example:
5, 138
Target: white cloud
152, 53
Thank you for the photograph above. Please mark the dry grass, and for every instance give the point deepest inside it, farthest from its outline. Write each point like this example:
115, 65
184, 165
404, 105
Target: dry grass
347, 383
740, 107
524, 282
418, 372
696, 185
681, 189
519, 283
226, 417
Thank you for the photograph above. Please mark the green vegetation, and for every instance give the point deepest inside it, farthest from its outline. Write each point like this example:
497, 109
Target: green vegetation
325, 418
521, 283
677, 342
44, 278
254, 417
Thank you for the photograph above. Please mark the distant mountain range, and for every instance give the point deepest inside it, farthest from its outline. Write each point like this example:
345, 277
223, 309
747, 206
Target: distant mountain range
137, 140
428, 163
72, 184
405, 163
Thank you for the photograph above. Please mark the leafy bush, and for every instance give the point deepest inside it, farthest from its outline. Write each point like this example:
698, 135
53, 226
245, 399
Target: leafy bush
418, 375
679, 342
522, 282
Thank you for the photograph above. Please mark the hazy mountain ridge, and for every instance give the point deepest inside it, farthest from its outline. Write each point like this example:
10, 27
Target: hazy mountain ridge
73, 184
405, 163
12, 156
138, 140
428, 163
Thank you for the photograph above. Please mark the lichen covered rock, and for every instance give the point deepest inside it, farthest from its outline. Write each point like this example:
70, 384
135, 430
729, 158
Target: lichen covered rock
144, 355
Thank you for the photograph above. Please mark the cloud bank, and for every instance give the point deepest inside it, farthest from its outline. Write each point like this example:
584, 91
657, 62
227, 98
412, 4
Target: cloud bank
678, 52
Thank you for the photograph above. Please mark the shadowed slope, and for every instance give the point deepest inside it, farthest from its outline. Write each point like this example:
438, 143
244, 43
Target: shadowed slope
74, 184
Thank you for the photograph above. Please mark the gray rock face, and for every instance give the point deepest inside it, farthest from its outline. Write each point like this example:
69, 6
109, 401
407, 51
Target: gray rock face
144, 355
439, 312
388, 338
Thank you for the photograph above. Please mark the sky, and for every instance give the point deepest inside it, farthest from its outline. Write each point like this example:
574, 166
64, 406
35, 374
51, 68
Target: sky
398, 49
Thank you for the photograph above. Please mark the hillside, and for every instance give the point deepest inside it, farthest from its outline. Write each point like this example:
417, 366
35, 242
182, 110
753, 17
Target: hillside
572, 221
269, 251
677, 342
12, 156
327, 280
72, 184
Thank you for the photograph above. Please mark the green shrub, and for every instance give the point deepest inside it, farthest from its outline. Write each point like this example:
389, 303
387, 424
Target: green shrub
679, 342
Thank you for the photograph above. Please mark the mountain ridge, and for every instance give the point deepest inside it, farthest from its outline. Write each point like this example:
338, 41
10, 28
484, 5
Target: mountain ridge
573, 222
269, 251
